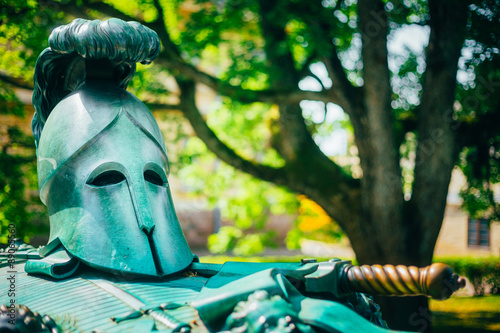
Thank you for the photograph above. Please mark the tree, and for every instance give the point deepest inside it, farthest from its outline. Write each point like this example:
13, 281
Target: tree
259, 51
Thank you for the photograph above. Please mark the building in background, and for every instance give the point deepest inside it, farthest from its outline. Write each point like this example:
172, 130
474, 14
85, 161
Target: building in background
462, 235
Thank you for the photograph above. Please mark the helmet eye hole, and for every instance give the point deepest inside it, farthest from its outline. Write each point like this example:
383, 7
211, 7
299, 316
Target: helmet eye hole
106, 178
153, 177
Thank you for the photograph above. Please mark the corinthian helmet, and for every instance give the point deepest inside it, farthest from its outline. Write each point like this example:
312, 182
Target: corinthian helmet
102, 161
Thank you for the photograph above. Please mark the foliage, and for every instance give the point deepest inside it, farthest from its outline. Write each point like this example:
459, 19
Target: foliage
480, 160
18, 183
24, 27
482, 273
243, 200
232, 239
313, 223
479, 105
220, 259
466, 314
225, 240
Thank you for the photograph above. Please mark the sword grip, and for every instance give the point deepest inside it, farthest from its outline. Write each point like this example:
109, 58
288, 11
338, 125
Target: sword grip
437, 280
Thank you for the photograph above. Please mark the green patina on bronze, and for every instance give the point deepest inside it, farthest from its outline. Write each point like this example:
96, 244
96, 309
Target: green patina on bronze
102, 161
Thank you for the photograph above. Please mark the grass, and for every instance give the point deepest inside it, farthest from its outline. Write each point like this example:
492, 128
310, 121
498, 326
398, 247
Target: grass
480, 314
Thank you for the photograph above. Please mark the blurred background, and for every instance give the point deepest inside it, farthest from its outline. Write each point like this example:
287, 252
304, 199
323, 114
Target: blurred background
365, 130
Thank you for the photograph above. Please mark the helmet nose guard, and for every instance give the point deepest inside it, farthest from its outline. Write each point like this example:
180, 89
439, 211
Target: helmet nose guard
141, 205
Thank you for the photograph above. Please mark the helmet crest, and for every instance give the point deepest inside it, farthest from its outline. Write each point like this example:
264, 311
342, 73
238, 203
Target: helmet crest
76, 51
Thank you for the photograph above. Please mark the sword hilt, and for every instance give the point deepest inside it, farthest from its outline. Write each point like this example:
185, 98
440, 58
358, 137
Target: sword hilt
437, 280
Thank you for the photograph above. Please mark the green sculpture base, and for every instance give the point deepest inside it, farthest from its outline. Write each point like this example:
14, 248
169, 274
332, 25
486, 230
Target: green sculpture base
234, 297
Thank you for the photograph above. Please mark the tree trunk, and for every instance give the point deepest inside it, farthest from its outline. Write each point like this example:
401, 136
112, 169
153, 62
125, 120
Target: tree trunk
390, 230
406, 313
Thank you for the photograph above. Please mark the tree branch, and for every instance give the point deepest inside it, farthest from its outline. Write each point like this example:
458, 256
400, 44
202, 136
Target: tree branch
171, 59
108, 10
226, 154
160, 27
16, 82
484, 127
308, 72
373, 26
342, 90
326, 186
163, 106
273, 96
